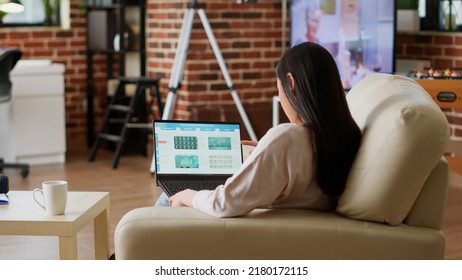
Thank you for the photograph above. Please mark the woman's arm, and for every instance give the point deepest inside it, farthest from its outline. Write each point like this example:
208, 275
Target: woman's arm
264, 178
260, 181
185, 198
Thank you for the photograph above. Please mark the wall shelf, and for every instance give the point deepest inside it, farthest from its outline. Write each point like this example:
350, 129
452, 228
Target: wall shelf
111, 31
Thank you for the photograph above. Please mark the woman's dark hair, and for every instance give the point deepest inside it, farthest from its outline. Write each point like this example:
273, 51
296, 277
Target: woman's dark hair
319, 99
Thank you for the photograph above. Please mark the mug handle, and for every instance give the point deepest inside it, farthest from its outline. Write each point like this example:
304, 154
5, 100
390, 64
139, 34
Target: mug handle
33, 195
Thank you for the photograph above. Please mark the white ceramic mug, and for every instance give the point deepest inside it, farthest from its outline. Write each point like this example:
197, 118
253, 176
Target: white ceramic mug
54, 195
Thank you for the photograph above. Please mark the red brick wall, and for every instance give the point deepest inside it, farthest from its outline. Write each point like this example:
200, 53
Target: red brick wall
61, 46
249, 37
444, 50
250, 40
69, 48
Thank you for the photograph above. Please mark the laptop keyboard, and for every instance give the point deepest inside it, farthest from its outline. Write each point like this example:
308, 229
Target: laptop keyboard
179, 185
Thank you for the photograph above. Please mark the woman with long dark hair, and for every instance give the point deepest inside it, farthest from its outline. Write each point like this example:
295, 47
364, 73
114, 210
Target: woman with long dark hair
301, 164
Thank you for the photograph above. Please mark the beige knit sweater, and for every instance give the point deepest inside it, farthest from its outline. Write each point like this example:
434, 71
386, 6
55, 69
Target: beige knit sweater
278, 174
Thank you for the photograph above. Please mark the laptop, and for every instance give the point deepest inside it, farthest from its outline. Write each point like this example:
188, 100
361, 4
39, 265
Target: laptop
195, 155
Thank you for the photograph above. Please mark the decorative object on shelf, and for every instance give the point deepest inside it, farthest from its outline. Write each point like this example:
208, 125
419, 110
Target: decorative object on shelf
98, 3
407, 4
408, 19
50, 8
10, 6
128, 38
118, 32
450, 15
437, 73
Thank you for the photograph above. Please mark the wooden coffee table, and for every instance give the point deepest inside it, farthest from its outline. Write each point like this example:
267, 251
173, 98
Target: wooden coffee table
22, 216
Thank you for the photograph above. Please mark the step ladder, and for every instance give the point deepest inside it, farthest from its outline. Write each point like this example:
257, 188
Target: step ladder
133, 115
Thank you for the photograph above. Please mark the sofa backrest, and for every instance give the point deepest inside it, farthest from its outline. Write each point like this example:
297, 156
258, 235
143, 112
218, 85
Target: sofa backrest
428, 210
398, 165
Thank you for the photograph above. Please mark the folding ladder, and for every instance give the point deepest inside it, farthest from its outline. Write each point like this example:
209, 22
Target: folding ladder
131, 115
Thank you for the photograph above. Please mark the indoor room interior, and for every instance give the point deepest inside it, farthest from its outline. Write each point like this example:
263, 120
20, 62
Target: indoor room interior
82, 60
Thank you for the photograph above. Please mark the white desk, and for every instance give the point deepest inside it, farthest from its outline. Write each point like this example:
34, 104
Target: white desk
22, 216
33, 123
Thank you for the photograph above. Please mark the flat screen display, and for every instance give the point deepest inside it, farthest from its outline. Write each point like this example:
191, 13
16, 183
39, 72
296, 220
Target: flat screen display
360, 34
183, 147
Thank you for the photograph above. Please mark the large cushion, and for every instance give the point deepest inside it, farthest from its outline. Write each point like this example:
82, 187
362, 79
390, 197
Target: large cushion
404, 135
170, 233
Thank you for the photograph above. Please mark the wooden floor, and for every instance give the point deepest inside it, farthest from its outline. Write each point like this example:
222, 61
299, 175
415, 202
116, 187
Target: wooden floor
131, 186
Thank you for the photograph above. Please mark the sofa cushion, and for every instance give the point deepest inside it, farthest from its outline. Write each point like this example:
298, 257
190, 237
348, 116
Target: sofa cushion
404, 135
170, 233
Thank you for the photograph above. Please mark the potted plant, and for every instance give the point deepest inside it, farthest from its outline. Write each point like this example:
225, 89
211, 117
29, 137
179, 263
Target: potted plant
408, 4
51, 9
408, 19
2, 14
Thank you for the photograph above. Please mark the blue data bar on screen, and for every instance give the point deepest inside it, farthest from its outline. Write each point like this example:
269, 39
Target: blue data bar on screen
224, 127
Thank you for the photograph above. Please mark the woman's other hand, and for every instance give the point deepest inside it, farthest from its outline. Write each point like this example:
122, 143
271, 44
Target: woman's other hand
183, 198
247, 148
249, 143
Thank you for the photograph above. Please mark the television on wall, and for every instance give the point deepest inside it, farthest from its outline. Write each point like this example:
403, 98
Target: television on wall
360, 34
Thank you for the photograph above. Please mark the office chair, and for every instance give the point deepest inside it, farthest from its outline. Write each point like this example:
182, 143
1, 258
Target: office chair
8, 59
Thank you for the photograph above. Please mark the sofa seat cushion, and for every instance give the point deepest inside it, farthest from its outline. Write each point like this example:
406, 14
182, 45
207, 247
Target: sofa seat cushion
184, 233
404, 135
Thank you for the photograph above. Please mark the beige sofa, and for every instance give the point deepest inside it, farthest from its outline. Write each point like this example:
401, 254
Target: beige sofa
392, 207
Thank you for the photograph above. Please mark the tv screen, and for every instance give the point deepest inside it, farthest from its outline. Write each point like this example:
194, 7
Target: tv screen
360, 34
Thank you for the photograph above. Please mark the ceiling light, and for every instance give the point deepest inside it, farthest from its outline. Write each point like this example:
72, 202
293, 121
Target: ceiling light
11, 6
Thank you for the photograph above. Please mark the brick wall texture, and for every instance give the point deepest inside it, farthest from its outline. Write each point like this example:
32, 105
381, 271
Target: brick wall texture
443, 50
249, 37
61, 46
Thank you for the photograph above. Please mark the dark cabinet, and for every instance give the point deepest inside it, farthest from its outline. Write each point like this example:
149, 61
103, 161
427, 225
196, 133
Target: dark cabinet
101, 31
116, 30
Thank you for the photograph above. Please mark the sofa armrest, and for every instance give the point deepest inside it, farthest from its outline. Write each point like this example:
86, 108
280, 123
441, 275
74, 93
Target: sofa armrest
185, 233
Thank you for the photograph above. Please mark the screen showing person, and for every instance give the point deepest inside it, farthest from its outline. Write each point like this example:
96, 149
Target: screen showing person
360, 34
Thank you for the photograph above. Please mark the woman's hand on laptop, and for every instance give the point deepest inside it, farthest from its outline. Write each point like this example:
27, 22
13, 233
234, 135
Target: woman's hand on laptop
183, 198
247, 147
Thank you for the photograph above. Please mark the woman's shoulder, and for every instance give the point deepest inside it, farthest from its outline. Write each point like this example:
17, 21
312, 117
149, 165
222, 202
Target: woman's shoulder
285, 132
287, 128
284, 142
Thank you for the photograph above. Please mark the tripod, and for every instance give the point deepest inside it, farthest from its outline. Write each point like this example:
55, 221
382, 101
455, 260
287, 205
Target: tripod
179, 63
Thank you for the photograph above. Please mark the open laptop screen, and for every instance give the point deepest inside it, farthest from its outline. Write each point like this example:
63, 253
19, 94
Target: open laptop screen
183, 147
